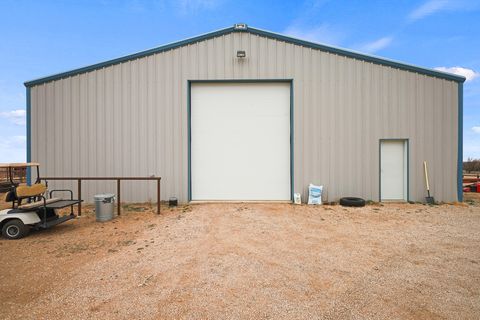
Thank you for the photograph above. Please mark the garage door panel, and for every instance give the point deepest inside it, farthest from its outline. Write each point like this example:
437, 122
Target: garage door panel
240, 141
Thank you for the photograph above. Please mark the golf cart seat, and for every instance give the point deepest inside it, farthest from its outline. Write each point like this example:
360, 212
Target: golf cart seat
34, 190
21, 192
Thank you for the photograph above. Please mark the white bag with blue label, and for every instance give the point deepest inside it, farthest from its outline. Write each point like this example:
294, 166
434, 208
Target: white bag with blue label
315, 194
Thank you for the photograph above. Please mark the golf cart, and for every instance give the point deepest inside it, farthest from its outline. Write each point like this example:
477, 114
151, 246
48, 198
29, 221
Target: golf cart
32, 206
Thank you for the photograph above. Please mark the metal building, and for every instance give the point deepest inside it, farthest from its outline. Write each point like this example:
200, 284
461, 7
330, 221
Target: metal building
246, 114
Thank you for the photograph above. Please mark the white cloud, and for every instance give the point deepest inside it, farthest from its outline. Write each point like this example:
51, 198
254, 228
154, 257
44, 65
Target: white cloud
471, 145
11, 95
376, 45
187, 6
428, 8
322, 33
13, 149
135, 6
471, 149
431, 7
469, 74
18, 117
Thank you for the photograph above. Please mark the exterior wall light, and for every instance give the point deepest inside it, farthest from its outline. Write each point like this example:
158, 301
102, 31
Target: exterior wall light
240, 26
241, 54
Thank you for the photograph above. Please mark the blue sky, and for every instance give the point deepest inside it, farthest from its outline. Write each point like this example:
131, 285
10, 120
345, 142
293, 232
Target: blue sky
39, 38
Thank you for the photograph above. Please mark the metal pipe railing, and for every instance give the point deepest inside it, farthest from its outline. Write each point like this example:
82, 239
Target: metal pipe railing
118, 179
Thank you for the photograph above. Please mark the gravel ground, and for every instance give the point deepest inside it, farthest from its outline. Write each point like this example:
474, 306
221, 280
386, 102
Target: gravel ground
250, 261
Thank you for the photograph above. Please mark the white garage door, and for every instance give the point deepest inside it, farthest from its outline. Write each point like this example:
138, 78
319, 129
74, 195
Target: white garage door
240, 141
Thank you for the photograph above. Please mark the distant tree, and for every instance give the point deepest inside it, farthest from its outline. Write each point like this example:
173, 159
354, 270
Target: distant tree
471, 165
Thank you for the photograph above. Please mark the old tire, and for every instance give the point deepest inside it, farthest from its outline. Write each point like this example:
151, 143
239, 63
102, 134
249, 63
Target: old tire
352, 202
14, 229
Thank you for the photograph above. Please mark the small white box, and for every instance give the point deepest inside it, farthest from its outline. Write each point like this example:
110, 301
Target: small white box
297, 198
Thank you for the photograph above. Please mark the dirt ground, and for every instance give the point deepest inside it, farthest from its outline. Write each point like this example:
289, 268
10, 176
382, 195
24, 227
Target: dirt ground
250, 261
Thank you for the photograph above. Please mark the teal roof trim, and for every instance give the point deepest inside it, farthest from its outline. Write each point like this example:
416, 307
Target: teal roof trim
268, 34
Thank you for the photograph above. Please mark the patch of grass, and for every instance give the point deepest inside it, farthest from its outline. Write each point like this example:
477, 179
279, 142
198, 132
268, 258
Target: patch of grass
132, 207
71, 248
186, 208
331, 203
126, 242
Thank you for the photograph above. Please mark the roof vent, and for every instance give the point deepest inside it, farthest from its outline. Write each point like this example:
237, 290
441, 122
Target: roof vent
240, 26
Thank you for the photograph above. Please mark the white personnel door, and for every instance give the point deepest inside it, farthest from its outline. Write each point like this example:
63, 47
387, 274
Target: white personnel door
393, 170
240, 141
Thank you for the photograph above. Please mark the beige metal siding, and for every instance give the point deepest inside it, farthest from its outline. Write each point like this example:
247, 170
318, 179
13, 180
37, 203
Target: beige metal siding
130, 119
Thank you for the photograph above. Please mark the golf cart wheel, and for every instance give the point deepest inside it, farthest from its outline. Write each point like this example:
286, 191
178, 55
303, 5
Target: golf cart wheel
352, 202
14, 229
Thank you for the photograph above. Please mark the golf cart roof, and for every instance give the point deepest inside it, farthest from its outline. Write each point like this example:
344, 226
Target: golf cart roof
19, 165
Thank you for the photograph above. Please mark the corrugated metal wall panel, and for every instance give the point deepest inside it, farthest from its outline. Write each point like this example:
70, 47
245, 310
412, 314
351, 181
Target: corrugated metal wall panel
131, 118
